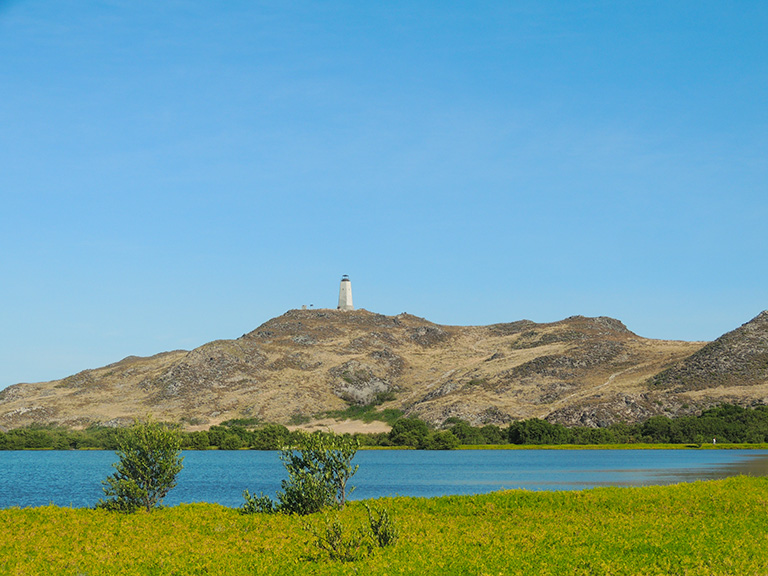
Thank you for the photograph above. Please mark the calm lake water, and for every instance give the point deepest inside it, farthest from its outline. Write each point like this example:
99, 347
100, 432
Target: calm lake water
73, 478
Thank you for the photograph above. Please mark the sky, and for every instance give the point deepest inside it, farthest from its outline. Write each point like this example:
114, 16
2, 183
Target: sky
177, 172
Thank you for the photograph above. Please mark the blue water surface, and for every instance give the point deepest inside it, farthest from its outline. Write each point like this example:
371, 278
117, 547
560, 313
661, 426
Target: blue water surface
73, 478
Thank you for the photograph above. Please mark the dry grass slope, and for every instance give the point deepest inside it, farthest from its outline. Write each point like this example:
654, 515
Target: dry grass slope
300, 365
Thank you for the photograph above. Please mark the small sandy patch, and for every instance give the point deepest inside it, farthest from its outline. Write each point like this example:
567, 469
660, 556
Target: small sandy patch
344, 426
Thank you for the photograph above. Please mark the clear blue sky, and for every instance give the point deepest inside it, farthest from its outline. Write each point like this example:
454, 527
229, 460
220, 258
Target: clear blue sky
177, 172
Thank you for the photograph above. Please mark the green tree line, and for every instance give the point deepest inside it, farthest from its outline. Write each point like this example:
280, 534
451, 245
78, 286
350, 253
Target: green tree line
727, 423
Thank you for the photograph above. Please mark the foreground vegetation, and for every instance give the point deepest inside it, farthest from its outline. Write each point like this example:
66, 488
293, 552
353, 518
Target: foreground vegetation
319, 467
725, 423
149, 459
704, 528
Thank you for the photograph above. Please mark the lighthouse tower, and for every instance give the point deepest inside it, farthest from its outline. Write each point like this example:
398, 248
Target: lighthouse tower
345, 294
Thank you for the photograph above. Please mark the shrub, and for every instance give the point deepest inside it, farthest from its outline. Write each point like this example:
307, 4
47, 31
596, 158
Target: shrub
196, 440
440, 440
382, 526
348, 546
270, 437
467, 434
149, 462
339, 544
231, 441
319, 468
304, 493
261, 504
409, 432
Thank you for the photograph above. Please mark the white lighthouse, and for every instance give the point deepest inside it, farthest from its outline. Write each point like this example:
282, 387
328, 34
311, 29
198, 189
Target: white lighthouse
345, 294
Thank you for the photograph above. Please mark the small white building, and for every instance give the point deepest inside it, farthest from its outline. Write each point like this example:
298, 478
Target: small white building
345, 294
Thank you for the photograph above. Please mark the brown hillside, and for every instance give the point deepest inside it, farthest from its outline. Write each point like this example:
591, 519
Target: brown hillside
306, 362
738, 358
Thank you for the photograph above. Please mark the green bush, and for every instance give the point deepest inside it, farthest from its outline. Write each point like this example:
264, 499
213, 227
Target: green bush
270, 437
196, 440
150, 459
319, 467
260, 504
409, 432
341, 545
304, 493
231, 441
467, 434
440, 440
382, 526
345, 545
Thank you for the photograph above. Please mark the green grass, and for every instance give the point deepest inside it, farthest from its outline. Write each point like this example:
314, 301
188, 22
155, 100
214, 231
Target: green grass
367, 413
703, 528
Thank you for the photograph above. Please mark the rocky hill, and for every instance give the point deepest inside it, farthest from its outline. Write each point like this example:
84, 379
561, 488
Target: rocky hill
591, 371
738, 358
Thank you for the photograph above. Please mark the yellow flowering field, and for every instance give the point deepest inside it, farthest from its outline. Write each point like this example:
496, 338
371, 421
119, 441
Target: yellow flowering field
706, 528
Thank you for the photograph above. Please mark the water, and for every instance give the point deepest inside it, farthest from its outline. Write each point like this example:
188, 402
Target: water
73, 478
